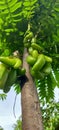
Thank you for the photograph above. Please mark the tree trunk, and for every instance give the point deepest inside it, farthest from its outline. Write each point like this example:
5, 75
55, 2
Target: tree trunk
31, 113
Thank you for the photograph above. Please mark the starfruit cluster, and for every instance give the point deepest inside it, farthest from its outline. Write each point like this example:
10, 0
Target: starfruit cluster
10, 68
40, 64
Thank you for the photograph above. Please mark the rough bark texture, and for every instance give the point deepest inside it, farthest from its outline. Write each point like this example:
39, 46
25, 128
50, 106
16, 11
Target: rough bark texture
31, 113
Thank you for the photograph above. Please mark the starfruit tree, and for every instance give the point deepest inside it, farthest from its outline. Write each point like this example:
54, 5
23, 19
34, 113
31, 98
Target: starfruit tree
29, 37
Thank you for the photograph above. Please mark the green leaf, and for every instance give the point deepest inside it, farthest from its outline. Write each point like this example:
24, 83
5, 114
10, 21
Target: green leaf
17, 88
56, 72
9, 30
56, 9
53, 78
15, 7
56, 38
2, 96
12, 3
50, 88
41, 88
58, 32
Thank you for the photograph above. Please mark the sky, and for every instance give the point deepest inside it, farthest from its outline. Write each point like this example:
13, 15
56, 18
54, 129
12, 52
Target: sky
56, 94
7, 118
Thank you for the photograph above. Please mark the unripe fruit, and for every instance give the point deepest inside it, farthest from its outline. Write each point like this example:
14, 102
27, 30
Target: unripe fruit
37, 74
47, 68
27, 44
30, 50
48, 59
28, 37
36, 46
2, 70
31, 60
39, 63
10, 80
11, 61
3, 75
33, 40
21, 71
35, 54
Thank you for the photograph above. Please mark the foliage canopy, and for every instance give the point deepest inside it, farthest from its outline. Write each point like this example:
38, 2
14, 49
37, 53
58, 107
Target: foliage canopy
43, 17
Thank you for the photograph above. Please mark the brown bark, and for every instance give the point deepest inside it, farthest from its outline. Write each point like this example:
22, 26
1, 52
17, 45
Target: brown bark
31, 113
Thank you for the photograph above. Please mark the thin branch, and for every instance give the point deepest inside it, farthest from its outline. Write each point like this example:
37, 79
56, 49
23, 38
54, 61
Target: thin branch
14, 105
